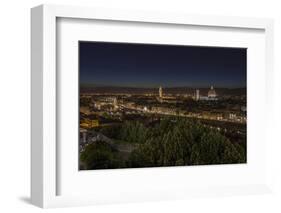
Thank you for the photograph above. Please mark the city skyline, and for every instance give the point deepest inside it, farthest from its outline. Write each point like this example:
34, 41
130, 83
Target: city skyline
147, 105
151, 66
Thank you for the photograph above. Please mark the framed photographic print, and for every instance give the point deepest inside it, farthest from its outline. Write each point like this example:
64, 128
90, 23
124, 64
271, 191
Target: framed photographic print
128, 121
149, 106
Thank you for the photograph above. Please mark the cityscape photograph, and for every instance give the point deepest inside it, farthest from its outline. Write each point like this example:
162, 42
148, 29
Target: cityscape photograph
159, 105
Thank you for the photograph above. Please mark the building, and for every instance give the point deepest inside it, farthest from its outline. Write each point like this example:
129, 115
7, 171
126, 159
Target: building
87, 123
85, 110
160, 92
212, 93
197, 95
115, 103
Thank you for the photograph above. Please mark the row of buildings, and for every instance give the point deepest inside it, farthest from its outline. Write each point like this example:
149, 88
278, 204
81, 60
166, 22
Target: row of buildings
212, 95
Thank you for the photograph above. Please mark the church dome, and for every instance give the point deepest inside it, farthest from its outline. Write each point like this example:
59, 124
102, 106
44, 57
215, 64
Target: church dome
212, 93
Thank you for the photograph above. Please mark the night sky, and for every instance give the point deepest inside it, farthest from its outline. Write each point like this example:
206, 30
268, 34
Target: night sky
150, 65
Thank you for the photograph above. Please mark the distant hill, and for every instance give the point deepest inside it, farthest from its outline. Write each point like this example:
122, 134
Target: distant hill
170, 90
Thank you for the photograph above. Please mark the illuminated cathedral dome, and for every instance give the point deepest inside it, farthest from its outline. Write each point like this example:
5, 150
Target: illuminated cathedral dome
212, 93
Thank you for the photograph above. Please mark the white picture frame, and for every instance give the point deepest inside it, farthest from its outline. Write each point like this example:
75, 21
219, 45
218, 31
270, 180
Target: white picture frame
44, 155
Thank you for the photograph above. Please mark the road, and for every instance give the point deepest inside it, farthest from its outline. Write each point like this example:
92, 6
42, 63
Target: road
128, 148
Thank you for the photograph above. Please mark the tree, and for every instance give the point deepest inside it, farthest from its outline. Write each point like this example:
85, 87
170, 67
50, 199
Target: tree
171, 142
133, 132
99, 155
185, 142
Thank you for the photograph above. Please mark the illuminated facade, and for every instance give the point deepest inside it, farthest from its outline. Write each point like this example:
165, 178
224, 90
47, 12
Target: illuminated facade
115, 103
160, 92
197, 95
212, 93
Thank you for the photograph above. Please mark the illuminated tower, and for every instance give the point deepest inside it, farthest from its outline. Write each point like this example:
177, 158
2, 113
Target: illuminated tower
197, 95
160, 92
115, 104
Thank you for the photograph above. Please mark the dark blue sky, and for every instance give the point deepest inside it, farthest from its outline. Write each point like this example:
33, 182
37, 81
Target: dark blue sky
150, 65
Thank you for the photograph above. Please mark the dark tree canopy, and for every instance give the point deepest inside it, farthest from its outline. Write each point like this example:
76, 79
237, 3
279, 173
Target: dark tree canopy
171, 142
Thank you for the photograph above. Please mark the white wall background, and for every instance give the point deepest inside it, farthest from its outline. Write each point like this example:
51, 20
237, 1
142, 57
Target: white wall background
15, 104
